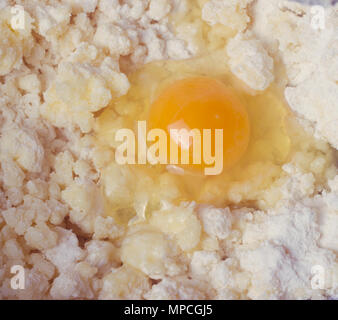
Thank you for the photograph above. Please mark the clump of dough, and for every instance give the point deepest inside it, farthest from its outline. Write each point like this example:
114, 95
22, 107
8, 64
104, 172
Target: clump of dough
231, 13
250, 62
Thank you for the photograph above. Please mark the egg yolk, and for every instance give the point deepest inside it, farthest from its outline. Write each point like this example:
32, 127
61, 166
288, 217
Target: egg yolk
205, 104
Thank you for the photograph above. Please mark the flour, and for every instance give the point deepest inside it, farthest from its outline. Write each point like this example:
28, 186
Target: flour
62, 70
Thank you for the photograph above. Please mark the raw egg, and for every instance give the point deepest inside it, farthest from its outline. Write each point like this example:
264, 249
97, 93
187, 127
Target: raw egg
209, 106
